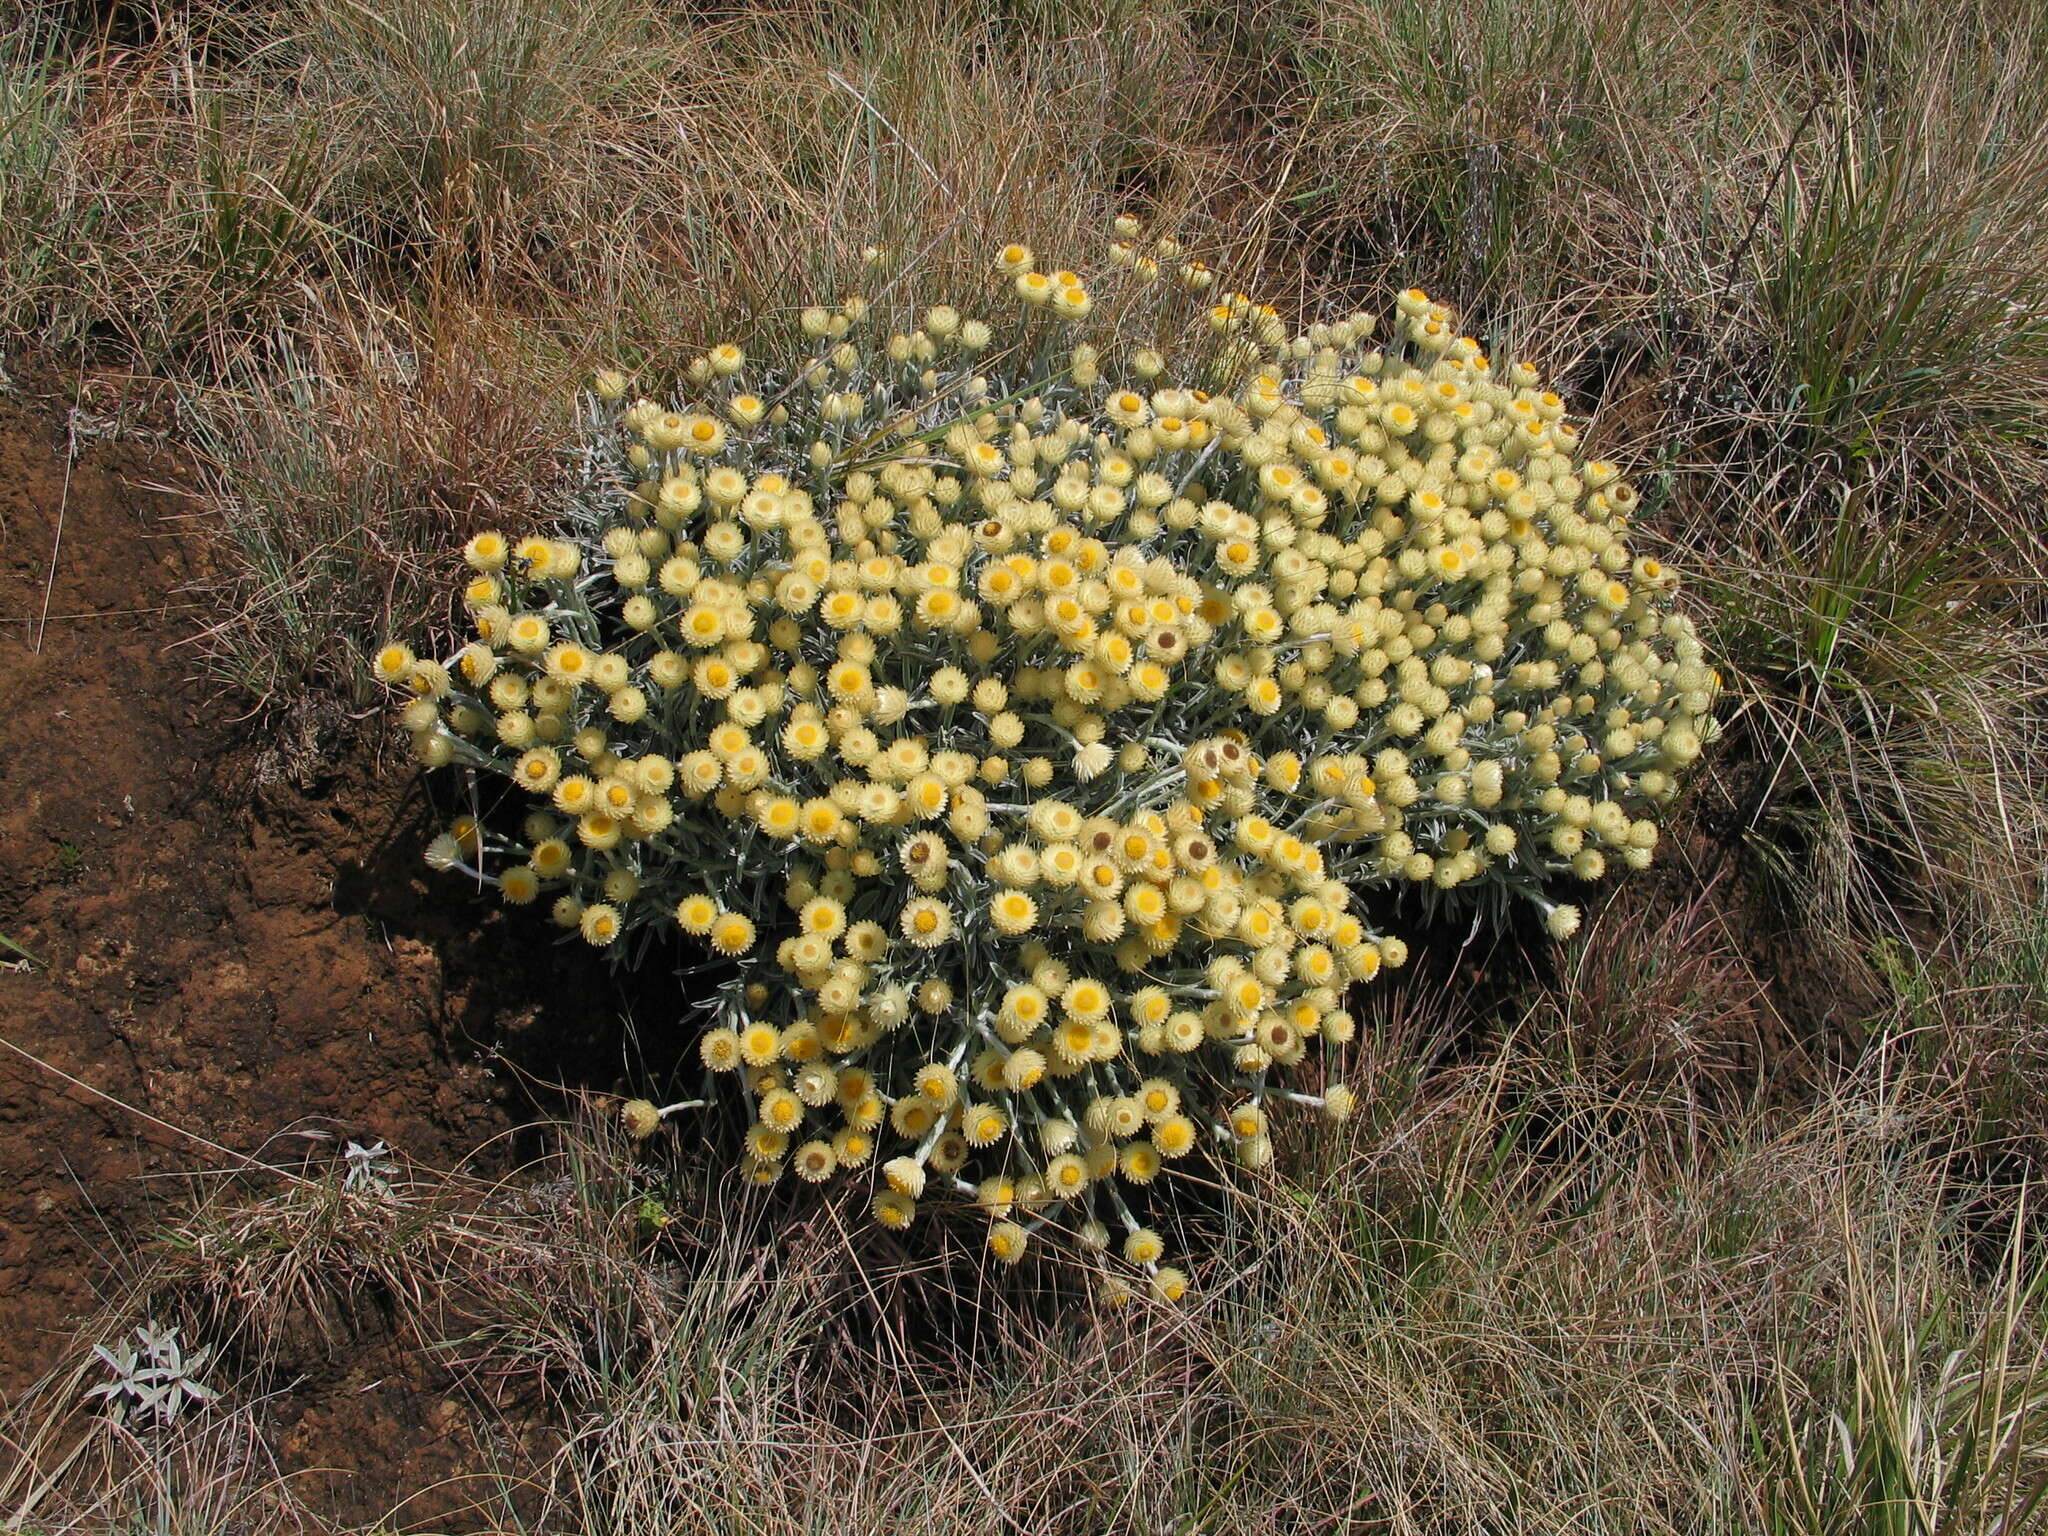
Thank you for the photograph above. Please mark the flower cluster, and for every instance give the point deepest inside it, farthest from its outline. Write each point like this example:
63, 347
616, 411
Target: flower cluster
1026, 723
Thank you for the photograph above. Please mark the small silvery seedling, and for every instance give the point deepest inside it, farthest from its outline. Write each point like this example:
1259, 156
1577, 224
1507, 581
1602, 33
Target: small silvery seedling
154, 1379
369, 1169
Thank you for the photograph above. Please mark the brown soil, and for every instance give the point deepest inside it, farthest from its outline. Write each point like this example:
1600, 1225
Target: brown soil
228, 967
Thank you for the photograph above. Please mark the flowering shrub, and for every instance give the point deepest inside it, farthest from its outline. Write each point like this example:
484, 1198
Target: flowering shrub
1025, 722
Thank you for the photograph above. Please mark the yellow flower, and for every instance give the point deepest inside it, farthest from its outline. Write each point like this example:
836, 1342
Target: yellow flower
1066, 1176
1024, 1008
938, 1084
720, 1050
781, 1110
733, 934
393, 663
893, 1210
905, 1176
703, 436
1085, 999
926, 796
1013, 913
551, 858
1184, 1032
1157, 1099
1074, 1041
759, 1044
538, 770
778, 816
983, 1125
820, 821
1023, 1070
925, 923
1139, 1163
924, 859
823, 917
815, 1161
527, 633
1174, 1136
1145, 903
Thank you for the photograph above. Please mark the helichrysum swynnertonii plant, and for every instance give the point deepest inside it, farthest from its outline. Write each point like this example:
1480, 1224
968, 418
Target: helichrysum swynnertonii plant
1024, 701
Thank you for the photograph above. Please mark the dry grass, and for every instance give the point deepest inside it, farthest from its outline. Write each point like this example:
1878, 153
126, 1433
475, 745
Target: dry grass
1506, 1301
1591, 1265
341, 460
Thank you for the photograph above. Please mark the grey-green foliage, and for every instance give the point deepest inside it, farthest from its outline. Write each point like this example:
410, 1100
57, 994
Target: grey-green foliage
154, 1378
40, 217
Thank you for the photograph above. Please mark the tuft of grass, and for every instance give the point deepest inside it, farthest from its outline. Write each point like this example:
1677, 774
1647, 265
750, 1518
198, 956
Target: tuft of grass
1512, 153
338, 464
1505, 1298
1667, 1003
466, 116
1889, 694
1941, 1420
1980, 1021
1867, 432
40, 223
1904, 290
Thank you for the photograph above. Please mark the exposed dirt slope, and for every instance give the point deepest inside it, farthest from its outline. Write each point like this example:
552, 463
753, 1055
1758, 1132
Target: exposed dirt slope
245, 961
